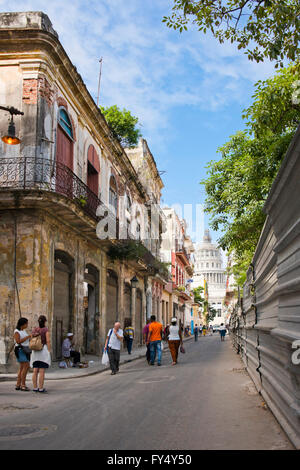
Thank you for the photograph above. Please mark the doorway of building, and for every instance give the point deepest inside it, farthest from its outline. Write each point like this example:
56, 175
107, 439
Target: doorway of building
91, 310
111, 298
139, 317
127, 301
63, 299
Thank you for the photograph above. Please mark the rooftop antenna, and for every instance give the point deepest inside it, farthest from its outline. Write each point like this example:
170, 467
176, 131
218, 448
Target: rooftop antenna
100, 61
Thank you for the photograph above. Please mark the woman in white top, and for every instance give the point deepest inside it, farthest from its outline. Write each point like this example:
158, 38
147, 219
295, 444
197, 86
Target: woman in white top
175, 340
21, 338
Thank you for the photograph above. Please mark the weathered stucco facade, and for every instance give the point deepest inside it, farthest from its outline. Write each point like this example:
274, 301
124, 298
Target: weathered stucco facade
177, 250
68, 176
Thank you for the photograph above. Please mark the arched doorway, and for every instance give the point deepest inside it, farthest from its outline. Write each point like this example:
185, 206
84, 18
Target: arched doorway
139, 316
63, 299
127, 300
111, 298
91, 310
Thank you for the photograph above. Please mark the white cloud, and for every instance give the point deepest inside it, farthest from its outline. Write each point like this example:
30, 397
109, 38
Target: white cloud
147, 68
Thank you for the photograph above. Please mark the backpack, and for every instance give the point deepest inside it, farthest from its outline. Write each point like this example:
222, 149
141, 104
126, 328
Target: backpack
35, 343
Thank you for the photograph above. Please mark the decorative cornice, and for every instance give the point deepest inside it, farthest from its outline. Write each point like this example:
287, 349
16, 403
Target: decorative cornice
24, 43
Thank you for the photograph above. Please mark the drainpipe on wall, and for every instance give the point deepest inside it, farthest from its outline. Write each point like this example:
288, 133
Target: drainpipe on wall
15, 280
15, 267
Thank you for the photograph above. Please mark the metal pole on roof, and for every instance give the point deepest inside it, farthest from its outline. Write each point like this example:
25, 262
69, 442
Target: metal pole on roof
99, 81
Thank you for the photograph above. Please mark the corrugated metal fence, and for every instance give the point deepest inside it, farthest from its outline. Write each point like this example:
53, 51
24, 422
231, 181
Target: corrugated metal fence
267, 322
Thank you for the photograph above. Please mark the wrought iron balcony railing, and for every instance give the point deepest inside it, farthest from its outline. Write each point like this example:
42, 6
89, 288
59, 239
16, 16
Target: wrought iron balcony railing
179, 248
43, 174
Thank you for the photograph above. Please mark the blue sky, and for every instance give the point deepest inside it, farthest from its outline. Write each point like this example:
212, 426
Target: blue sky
187, 89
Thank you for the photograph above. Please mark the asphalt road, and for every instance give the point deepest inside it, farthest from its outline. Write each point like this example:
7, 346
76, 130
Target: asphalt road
207, 401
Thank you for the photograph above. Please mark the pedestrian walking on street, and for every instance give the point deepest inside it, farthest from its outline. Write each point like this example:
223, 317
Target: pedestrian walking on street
196, 332
200, 330
113, 346
204, 330
22, 352
40, 360
154, 338
145, 340
222, 331
166, 332
175, 340
211, 329
128, 334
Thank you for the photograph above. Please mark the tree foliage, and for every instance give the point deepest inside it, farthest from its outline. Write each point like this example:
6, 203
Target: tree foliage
198, 291
123, 124
264, 28
238, 184
211, 314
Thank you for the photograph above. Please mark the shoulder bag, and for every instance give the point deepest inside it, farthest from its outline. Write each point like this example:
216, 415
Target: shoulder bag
35, 343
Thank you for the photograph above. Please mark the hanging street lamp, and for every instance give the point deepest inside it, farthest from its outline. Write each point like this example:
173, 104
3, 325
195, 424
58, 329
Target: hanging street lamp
11, 138
134, 282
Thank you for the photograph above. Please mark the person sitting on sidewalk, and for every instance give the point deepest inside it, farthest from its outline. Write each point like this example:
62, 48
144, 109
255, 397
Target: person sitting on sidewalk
113, 347
69, 352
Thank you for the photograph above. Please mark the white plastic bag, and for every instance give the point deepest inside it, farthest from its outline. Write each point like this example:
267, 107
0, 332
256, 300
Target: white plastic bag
162, 346
105, 359
63, 365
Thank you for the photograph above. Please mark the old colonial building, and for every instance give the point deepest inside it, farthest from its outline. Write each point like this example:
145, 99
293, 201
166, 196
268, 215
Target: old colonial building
66, 194
146, 169
177, 249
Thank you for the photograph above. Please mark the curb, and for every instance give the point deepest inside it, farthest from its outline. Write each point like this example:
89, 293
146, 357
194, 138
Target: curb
12, 377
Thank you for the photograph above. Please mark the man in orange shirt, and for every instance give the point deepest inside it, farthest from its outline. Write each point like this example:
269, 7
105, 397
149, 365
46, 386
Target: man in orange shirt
154, 338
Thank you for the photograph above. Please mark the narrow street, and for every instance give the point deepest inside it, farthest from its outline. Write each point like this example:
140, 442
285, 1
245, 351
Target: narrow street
205, 402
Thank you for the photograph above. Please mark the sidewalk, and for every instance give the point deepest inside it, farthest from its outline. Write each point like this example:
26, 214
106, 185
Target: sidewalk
95, 366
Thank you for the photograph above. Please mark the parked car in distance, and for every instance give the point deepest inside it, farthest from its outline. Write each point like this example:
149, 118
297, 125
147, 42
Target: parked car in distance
215, 328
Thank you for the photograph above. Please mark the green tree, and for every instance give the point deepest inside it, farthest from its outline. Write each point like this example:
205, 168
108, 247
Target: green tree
238, 184
123, 124
211, 314
264, 28
198, 291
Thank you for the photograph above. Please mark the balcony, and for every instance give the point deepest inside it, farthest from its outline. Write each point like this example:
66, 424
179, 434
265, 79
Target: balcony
184, 257
182, 292
29, 173
39, 183
181, 251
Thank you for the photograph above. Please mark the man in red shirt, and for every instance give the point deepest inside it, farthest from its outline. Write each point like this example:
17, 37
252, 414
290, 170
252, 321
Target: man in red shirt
154, 338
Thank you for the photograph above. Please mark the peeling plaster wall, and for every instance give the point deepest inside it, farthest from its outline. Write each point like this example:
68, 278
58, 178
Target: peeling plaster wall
37, 238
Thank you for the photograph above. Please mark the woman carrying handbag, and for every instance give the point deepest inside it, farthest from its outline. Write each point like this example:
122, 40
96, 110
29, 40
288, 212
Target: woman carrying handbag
175, 340
40, 359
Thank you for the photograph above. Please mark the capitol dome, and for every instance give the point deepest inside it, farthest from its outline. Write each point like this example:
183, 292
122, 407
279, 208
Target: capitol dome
209, 267
208, 259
